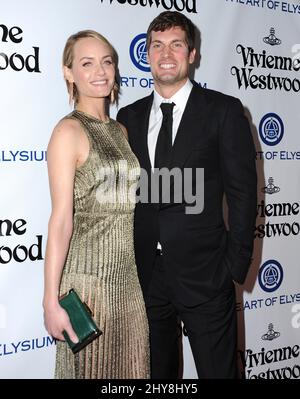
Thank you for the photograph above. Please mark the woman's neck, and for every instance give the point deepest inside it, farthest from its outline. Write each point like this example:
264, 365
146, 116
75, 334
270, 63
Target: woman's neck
97, 110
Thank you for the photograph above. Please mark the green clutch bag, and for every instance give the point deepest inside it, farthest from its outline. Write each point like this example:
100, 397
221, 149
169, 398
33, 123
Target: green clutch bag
81, 319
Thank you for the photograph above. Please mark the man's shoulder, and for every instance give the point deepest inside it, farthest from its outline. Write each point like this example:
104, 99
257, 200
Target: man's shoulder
216, 96
138, 104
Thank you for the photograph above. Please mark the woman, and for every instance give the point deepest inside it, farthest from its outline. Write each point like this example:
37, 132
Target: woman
90, 238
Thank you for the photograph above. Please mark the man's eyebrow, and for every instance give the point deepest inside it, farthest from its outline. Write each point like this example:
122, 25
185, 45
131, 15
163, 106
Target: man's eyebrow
172, 41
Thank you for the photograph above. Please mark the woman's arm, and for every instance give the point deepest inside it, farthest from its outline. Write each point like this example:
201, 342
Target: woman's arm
62, 158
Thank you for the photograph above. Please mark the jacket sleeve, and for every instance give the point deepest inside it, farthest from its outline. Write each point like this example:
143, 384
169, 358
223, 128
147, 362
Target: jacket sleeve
237, 154
122, 117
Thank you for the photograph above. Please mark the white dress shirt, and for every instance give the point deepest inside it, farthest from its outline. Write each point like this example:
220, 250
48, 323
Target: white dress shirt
180, 99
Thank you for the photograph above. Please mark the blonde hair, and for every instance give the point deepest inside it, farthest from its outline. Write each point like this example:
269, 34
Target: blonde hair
68, 58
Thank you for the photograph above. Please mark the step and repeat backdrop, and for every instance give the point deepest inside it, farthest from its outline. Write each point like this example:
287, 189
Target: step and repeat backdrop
249, 49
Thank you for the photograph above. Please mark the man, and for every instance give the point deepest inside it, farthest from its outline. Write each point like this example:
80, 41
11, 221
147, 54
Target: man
188, 262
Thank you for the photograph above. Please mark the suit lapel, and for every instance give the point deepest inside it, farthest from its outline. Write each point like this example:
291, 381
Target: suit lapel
140, 132
190, 127
189, 130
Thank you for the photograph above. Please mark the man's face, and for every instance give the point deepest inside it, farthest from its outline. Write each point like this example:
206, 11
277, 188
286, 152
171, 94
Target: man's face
169, 57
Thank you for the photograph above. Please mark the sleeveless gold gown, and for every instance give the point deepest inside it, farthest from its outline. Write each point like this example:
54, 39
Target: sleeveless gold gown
100, 264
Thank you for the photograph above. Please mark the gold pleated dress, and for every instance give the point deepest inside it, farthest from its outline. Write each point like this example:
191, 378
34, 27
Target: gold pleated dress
101, 264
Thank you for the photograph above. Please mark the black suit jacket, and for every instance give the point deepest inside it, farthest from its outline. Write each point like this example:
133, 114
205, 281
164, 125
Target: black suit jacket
200, 256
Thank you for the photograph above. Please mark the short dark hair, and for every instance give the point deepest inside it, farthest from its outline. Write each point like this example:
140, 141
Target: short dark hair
171, 19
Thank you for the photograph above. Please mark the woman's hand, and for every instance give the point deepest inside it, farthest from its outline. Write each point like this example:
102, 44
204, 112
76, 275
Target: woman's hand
56, 321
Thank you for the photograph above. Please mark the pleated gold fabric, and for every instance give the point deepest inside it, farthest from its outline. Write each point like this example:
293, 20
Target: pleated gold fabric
100, 264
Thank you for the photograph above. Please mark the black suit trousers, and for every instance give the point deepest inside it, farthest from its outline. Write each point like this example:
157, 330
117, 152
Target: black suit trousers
211, 329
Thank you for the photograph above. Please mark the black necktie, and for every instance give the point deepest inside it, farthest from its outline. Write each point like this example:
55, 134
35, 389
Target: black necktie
164, 140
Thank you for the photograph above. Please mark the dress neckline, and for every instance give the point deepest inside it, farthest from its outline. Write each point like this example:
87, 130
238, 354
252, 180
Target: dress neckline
93, 117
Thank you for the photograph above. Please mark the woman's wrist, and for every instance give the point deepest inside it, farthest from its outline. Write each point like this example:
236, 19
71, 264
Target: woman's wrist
50, 301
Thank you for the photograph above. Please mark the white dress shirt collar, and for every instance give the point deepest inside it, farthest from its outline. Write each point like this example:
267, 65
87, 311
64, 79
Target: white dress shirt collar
180, 98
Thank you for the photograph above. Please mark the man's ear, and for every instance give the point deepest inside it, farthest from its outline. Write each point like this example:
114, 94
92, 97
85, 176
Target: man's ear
68, 75
192, 56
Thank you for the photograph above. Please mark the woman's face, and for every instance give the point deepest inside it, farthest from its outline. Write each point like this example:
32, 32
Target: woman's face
93, 69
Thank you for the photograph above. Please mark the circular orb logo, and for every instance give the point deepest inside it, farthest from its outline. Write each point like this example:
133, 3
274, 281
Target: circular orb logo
270, 275
271, 129
138, 52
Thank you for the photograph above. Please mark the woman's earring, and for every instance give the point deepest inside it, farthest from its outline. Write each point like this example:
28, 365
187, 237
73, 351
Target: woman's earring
71, 93
114, 93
